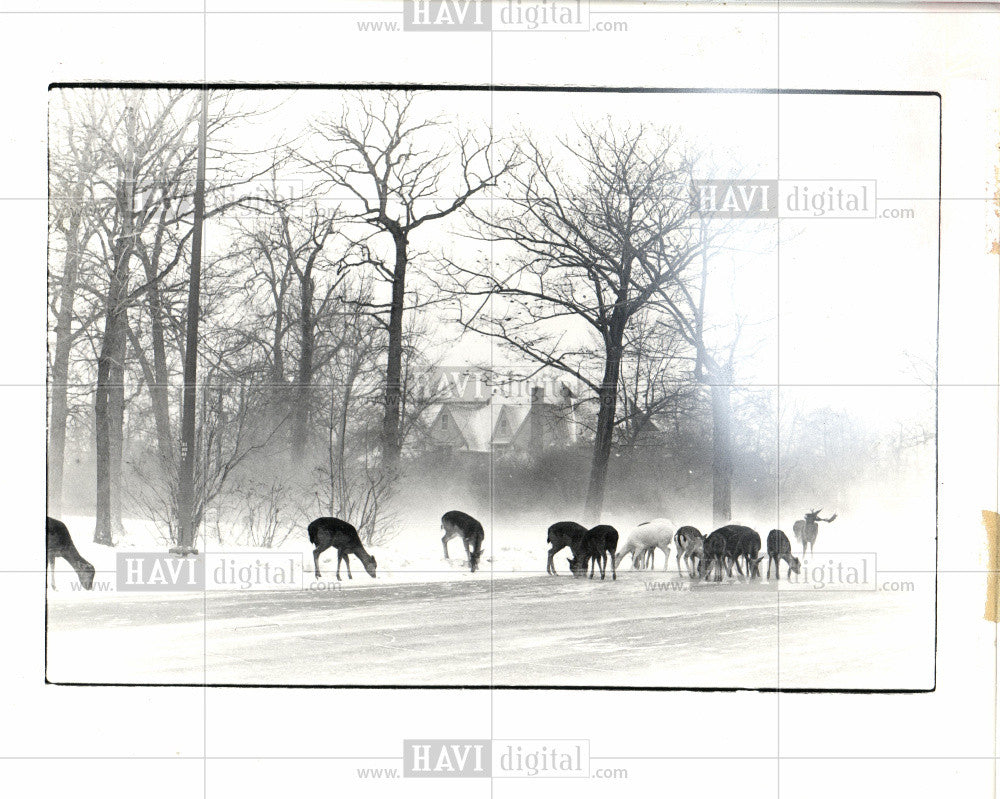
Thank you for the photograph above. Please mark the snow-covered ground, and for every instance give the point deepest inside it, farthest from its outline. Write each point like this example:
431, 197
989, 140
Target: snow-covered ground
427, 621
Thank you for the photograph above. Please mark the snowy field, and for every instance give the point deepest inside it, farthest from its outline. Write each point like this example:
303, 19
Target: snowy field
427, 621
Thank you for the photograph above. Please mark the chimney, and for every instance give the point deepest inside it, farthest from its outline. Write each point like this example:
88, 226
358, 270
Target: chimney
535, 421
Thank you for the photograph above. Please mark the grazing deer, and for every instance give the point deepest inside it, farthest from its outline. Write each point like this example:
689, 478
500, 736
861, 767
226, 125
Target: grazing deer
326, 532
779, 548
59, 544
645, 539
457, 524
720, 551
690, 544
593, 548
746, 550
714, 553
563, 534
806, 530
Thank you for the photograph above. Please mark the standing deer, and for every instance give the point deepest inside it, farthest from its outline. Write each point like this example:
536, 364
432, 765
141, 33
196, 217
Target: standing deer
807, 529
746, 550
560, 535
645, 539
457, 524
59, 544
714, 553
779, 548
722, 550
593, 548
690, 545
326, 532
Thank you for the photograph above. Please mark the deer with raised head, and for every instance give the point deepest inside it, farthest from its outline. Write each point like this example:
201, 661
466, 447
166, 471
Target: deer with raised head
779, 548
561, 535
593, 549
690, 545
806, 530
644, 540
457, 524
59, 544
327, 531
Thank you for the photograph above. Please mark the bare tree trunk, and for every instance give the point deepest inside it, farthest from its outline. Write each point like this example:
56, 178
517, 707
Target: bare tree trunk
391, 444
303, 387
186, 499
109, 400
109, 408
60, 367
722, 454
159, 390
603, 438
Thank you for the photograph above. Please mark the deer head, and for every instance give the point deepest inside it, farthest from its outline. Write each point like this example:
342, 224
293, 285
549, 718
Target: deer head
794, 564
370, 564
86, 574
577, 567
813, 516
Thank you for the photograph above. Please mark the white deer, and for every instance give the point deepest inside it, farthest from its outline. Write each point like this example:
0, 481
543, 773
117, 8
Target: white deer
645, 539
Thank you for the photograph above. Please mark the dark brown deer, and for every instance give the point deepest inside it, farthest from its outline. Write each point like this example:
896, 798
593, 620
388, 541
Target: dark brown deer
593, 549
561, 535
779, 548
457, 524
327, 531
806, 530
59, 544
720, 551
746, 551
715, 553
690, 544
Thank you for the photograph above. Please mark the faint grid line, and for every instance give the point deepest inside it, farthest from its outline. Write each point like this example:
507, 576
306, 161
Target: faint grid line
204, 702
323, 384
777, 418
662, 12
988, 758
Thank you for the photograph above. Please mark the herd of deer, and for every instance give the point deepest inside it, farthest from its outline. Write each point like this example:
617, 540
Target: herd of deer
733, 545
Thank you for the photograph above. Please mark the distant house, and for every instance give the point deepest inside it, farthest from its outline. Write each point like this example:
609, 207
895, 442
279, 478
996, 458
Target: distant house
506, 425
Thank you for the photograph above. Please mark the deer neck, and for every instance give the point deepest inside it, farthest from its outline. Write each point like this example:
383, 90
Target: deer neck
76, 560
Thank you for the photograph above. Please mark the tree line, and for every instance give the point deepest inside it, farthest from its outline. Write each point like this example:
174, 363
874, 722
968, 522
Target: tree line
214, 334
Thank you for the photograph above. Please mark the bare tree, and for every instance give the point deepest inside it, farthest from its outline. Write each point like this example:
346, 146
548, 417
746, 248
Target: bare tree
71, 161
596, 233
392, 161
134, 131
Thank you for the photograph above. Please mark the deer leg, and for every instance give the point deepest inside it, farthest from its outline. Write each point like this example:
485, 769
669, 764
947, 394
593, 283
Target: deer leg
347, 562
339, 556
444, 545
614, 572
550, 567
50, 569
316, 554
468, 551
